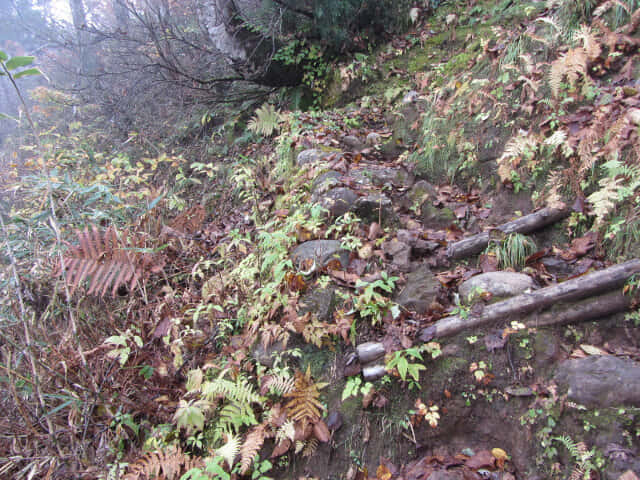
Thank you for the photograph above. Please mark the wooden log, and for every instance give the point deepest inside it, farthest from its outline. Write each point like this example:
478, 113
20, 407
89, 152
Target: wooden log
585, 286
584, 310
529, 223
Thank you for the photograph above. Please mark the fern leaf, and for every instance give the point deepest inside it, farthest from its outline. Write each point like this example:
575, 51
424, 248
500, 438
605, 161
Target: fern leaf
106, 261
169, 464
278, 384
252, 444
310, 447
229, 451
305, 405
287, 431
604, 200
266, 120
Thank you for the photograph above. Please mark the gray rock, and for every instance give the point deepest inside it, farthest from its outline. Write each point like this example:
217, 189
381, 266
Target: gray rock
418, 245
375, 207
434, 217
370, 351
321, 301
338, 201
325, 182
321, 252
266, 356
499, 284
400, 253
310, 156
374, 139
353, 143
380, 176
420, 290
601, 381
422, 191
410, 97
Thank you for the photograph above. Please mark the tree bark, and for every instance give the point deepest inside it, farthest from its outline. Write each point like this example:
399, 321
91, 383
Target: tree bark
581, 311
521, 305
528, 223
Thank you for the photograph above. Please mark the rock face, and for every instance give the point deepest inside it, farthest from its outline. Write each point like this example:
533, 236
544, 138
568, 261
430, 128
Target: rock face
434, 217
601, 381
310, 156
499, 284
338, 201
321, 252
420, 291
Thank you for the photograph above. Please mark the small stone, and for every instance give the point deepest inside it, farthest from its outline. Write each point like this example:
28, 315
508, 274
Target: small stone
374, 139
320, 252
519, 391
266, 356
353, 143
320, 301
410, 97
370, 351
420, 290
310, 156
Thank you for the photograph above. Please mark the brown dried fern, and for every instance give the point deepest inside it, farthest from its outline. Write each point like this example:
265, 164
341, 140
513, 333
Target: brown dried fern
108, 259
169, 464
250, 448
305, 405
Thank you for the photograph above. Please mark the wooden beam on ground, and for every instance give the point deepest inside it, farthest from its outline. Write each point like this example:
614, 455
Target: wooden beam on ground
529, 223
516, 308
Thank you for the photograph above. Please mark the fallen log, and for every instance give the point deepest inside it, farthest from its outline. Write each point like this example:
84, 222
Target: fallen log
519, 306
529, 223
583, 310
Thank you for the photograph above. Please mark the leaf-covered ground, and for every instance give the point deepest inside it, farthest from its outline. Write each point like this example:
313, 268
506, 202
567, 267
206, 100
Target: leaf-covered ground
185, 326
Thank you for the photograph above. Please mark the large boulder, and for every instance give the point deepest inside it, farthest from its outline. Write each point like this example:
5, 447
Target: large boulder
498, 284
600, 381
420, 291
319, 252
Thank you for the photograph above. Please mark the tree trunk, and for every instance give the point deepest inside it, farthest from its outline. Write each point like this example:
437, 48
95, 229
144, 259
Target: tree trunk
521, 305
528, 223
248, 51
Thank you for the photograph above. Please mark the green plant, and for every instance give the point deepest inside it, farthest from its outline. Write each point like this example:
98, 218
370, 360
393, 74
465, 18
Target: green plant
373, 304
355, 387
512, 250
405, 362
266, 120
586, 461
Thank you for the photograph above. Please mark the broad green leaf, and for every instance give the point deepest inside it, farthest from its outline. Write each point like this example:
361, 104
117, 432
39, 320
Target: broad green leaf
3, 56
117, 340
15, 62
28, 72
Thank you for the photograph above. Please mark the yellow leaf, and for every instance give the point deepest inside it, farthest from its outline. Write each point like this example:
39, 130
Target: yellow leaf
499, 454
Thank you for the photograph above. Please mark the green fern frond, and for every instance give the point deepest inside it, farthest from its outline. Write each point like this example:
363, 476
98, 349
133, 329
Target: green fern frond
266, 120
240, 391
604, 200
236, 416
